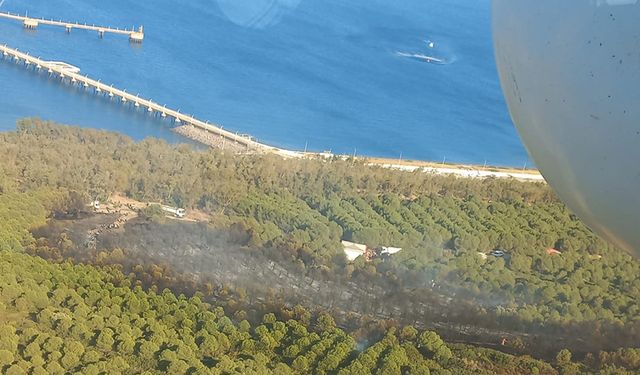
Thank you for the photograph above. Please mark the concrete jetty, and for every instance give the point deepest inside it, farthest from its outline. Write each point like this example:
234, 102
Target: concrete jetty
135, 35
71, 75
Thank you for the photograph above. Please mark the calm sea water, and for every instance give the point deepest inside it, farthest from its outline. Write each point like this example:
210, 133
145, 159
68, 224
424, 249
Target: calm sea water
335, 75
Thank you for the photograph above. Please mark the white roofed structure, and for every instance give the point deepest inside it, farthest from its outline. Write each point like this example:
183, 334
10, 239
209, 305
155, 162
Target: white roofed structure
390, 250
353, 250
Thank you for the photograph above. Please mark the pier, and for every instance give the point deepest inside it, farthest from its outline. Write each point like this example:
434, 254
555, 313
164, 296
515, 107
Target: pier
33, 23
69, 73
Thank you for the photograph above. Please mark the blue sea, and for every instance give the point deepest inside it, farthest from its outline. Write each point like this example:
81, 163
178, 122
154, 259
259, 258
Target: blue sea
346, 76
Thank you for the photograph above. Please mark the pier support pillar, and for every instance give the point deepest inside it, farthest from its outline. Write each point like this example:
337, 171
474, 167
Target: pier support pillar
30, 24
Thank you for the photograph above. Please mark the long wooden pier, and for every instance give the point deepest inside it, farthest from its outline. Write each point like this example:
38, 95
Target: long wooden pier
33, 23
71, 75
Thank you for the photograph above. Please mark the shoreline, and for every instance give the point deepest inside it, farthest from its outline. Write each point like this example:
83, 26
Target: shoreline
460, 170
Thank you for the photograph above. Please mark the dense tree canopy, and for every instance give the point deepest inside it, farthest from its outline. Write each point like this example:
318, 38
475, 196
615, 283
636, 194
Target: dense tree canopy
61, 318
64, 318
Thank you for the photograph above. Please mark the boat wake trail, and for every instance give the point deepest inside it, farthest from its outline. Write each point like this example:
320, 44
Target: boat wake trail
423, 58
